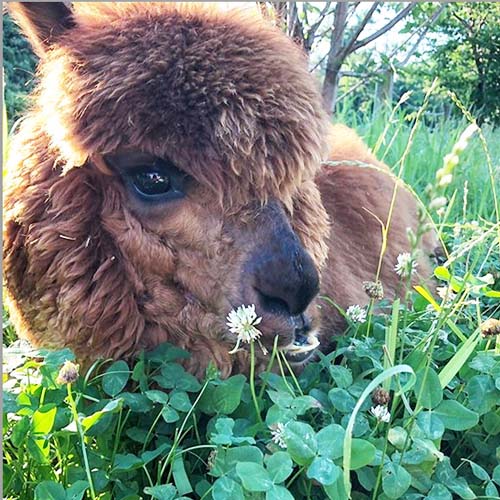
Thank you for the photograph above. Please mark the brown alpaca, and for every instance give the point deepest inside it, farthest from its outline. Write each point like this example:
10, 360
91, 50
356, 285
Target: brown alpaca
169, 171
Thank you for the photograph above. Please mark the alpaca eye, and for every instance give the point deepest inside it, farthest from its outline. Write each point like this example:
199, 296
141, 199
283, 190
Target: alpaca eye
151, 183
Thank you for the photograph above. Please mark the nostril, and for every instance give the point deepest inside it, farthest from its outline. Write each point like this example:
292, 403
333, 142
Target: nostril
272, 305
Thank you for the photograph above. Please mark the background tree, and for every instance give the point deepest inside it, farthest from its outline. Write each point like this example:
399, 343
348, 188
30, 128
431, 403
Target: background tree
468, 60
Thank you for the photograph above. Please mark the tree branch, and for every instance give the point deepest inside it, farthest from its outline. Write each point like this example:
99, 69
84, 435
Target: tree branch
311, 34
349, 45
425, 29
384, 29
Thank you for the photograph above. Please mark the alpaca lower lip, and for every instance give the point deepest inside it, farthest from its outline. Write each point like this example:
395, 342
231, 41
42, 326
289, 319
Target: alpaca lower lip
296, 357
302, 348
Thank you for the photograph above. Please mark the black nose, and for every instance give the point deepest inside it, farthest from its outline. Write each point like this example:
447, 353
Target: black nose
285, 278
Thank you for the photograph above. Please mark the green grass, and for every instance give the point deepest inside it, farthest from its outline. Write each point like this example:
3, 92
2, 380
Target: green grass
153, 431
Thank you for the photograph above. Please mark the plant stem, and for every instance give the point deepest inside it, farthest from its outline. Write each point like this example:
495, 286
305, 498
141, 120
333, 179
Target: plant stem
74, 412
252, 382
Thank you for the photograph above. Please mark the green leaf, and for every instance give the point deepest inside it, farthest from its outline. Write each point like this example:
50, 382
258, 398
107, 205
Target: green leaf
331, 441
9, 402
279, 466
163, 492
342, 400
227, 396
496, 474
147, 456
491, 490
483, 395
323, 470
166, 353
20, 431
43, 419
461, 488
478, 471
303, 403
455, 416
459, 358
180, 401
362, 453
157, 396
341, 375
136, 402
127, 462
173, 376
430, 424
169, 414
115, 378
428, 388
439, 492
483, 362
55, 359
253, 476
112, 407
336, 491
397, 436
278, 493
224, 427
77, 490
181, 479
395, 480
301, 442
50, 490
442, 273
226, 488
38, 450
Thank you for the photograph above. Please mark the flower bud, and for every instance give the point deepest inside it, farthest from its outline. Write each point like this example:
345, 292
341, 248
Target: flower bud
68, 373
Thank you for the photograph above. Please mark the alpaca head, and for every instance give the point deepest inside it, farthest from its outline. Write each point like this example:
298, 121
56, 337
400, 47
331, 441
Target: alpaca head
164, 176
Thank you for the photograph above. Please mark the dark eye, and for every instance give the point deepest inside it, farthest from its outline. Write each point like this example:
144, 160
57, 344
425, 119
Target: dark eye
148, 178
151, 183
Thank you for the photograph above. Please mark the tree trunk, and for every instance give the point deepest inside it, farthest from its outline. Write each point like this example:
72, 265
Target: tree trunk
384, 92
335, 57
330, 88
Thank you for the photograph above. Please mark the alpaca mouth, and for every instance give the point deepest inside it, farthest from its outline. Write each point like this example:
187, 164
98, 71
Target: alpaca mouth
302, 348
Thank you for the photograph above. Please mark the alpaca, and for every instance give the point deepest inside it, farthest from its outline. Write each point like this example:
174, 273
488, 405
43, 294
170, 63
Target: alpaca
170, 170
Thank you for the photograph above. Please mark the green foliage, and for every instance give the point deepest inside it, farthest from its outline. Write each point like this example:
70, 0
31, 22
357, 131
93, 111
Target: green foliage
467, 62
205, 440
19, 64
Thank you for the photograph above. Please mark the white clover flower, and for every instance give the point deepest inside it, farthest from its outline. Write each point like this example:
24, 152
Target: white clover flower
446, 294
277, 434
356, 313
242, 322
406, 265
381, 413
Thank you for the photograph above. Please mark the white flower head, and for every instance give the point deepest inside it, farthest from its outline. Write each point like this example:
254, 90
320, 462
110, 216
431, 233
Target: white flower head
406, 265
381, 413
242, 322
277, 434
446, 294
356, 313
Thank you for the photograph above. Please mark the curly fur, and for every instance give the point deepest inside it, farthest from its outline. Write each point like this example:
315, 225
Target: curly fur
229, 100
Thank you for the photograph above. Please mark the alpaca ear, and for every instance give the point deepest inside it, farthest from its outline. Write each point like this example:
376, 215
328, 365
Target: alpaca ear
42, 22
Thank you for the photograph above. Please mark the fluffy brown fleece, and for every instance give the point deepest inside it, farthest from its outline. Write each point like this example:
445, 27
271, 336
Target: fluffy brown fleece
228, 100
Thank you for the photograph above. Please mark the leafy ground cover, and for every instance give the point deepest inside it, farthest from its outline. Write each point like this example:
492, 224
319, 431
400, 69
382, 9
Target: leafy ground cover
408, 405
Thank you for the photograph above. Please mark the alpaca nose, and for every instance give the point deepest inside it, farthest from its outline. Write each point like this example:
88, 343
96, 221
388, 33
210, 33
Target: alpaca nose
286, 279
